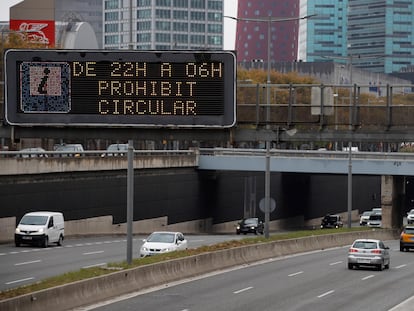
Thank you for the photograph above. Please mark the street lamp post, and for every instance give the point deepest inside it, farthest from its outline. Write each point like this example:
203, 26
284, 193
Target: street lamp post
269, 20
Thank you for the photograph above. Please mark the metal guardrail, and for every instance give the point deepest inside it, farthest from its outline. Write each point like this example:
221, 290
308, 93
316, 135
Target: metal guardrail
92, 153
398, 156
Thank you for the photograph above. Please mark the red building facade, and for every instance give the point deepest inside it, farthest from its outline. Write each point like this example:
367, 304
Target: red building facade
252, 36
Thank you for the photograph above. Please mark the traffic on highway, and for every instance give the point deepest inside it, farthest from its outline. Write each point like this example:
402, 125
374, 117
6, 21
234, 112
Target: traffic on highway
318, 280
28, 264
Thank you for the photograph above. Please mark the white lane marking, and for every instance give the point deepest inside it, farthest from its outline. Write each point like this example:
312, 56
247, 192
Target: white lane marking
93, 253
242, 290
192, 241
296, 273
95, 265
400, 266
27, 262
17, 281
405, 305
367, 277
325, 294
2, 254
335, 263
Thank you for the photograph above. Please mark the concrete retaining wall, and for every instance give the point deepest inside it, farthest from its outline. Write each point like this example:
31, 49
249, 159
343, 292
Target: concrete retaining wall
90, 291
104, 225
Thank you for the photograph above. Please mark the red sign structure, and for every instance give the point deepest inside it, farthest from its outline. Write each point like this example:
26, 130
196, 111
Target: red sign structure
36, 31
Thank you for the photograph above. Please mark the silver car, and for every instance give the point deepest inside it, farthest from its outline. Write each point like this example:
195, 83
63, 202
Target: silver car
368, 252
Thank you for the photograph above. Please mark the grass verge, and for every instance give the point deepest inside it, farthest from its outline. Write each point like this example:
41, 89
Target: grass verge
87, 273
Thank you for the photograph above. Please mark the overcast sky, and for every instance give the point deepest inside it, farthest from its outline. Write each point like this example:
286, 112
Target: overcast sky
230, 9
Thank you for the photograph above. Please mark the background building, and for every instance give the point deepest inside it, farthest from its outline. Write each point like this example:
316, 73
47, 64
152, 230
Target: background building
164, 24
324, 35
252, 38
51, 22
373, 35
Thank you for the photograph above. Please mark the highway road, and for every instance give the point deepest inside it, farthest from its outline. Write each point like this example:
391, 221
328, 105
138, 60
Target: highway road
317, 280
27, 264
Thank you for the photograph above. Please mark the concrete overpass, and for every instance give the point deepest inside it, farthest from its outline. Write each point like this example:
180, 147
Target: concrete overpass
393, 167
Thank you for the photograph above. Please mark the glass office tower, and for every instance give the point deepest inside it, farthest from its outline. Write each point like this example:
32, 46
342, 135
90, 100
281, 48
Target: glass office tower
375, 35
323, 37
163, 24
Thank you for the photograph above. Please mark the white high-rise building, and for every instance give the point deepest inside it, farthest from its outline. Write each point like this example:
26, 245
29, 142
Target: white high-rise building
163, 24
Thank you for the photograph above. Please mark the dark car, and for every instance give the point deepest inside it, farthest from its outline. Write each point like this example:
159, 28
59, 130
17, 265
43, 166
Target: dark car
250, 225
331, 221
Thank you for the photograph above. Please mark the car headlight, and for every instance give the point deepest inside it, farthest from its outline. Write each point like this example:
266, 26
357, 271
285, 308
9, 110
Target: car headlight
237, 227
17, 230
252, 227
144, 249
40, 230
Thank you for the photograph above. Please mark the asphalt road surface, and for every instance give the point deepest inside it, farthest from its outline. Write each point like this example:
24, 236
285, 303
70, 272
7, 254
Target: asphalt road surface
317, 280
29, 264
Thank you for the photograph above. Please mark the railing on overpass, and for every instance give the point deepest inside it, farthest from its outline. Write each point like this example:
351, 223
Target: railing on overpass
308, 161
236, 159
21, 163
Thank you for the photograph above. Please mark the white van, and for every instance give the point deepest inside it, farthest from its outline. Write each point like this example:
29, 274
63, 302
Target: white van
40, 228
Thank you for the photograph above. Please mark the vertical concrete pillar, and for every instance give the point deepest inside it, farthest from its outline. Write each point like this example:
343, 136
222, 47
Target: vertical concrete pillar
392, 198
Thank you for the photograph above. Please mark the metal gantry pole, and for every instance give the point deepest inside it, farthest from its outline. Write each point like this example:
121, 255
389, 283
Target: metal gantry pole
130, 200
267, 165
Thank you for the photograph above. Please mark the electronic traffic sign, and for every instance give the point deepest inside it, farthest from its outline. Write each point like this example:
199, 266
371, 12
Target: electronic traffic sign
120, 88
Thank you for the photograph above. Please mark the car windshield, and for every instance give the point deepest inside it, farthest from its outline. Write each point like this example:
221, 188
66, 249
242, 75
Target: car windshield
411, 212
409, 230
117, 147
33, 220
161, 237
366, 213
365, 245
375, 217
250, 221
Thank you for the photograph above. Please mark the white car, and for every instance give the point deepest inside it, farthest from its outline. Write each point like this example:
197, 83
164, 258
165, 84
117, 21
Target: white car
375, 220
363, 219
410, 217
163, 242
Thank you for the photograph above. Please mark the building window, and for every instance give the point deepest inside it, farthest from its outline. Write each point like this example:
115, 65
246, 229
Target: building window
181, 3
144, 3
166, 14
144, 14
180, 27
162, 25
215, 40
215, 17
111, 16
111, 28
215, 28
112, 39
111, 4
215, 5
198, 27
144, 25
144, 37
163, 2
180, 15
198, 16
197, 39
198, 4
162, 37
180, 38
